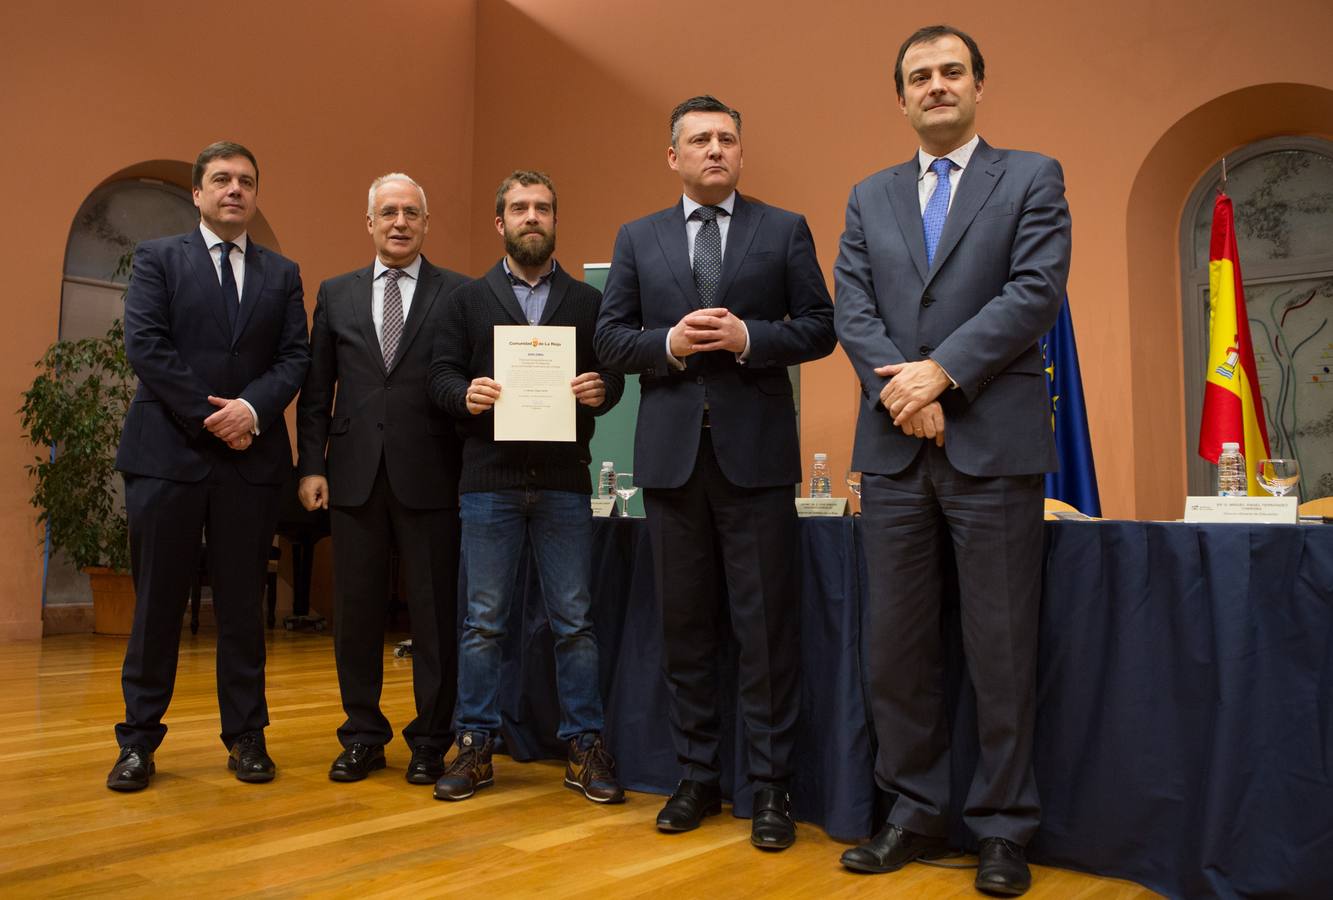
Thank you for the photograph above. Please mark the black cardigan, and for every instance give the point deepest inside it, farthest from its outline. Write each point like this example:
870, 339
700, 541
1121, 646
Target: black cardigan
465, 349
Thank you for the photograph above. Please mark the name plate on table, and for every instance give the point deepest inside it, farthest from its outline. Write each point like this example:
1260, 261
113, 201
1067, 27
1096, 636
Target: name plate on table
821, 506
1262, 510
604, 509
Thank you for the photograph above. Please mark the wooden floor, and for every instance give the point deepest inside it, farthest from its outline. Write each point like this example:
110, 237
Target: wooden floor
198, 832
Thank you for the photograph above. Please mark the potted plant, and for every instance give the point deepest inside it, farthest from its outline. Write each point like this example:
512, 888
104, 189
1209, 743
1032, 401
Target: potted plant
73, 413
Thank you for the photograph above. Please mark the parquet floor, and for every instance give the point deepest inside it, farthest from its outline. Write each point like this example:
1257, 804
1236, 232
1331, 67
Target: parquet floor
197, 832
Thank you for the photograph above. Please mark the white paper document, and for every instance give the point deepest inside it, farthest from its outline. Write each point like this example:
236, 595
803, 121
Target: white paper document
534, 365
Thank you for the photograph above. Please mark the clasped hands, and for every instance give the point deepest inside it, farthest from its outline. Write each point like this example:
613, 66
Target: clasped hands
707, 329
910, 397
588, 388
233, 423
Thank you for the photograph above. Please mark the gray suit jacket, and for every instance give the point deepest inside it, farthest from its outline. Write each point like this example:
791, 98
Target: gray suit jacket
995, 288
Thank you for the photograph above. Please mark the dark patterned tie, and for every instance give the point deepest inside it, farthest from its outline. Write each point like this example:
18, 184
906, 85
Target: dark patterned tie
707, 253
937, 207
392, 328
230, 296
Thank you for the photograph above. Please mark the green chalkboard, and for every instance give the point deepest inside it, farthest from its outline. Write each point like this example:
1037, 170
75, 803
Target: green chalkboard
614, 439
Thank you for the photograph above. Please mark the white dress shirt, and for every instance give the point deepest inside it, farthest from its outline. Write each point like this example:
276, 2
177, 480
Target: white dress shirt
692, 227
237, 259
926, 180
407, 286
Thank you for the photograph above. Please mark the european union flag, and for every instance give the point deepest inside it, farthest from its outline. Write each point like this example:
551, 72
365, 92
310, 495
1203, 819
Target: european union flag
1076, 482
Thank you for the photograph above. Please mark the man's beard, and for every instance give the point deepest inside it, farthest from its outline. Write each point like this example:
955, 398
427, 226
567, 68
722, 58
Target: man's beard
527, 253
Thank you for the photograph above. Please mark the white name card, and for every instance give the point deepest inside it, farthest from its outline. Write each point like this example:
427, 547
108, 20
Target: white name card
603, 509
821, 506
1266, 510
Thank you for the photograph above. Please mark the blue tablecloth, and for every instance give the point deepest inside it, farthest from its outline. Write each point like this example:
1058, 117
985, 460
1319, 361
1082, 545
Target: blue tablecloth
1185, 698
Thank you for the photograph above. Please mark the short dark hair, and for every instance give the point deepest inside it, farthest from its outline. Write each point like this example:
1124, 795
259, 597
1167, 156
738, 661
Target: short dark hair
220, 150
934, 33
527, 178
702, 103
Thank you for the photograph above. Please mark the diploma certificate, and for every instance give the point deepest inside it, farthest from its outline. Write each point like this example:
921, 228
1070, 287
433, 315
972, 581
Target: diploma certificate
534, 365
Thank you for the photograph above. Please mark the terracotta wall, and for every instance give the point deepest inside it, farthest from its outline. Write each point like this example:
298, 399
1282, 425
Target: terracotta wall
327, 95
1132, 97
583, 88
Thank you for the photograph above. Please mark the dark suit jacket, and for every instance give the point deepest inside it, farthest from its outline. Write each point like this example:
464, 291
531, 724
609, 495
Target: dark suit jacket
995, 288
770, 279
376, 412
465, 349
178, 340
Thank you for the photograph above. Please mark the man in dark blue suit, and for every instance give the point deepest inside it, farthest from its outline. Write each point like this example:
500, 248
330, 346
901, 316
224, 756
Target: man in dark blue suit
951, 268
710, 300
215, 329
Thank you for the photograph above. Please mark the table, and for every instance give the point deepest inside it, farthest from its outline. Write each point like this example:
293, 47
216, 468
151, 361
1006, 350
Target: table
1184, 734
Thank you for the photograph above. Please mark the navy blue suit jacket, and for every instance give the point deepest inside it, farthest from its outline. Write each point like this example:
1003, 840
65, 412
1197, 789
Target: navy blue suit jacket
770, 279
994, 288
183, 349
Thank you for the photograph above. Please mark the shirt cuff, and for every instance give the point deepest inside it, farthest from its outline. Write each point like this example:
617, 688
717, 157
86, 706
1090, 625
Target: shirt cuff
254, 416
953, 385
671, 359
744, 356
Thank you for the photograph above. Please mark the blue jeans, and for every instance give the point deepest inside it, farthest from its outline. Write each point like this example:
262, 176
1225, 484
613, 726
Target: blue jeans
558, 525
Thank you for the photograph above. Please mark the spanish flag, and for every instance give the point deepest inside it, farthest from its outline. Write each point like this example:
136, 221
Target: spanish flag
1232, 408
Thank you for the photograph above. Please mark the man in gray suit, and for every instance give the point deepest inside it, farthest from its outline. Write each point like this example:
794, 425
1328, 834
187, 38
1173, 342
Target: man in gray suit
951, 268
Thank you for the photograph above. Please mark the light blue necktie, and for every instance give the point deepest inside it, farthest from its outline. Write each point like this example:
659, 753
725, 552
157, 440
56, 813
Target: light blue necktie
937, 208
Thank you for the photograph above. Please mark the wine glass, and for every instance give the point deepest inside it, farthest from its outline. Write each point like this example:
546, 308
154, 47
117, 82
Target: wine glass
1278, 476
625, 488
853, 479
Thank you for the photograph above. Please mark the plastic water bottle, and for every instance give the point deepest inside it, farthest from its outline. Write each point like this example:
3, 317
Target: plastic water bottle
606, 482
1231, 478
820, 483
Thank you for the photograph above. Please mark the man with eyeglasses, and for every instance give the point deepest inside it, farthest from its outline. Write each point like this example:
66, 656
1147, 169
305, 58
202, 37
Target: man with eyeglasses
376, 453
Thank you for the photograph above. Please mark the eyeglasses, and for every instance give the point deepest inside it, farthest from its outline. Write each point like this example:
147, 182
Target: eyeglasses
391, 213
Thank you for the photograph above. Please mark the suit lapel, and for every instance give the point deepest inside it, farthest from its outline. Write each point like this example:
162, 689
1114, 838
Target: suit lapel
745, 220
670, 228
201, 262
504, 292
559, 290
362, 296
979, 179
906, 202
422, 300
254, 283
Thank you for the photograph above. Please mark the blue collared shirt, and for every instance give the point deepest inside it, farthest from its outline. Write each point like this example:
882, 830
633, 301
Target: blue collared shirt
531, 297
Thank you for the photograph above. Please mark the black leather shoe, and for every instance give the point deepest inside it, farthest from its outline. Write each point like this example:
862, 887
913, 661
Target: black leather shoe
772, 827
250, 760
893, 848
688, 805
426, 765
356, 762
132, 770
1001, 868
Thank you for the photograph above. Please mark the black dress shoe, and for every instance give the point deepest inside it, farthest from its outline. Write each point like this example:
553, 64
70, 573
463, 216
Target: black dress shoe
132, 770
426, 765
772, 827
1001, 868
893, 848
356, 762
250, 760
688, 805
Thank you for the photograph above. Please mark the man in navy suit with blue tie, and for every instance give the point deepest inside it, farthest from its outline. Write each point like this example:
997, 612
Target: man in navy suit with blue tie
709, 301
215, 329
951, 268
